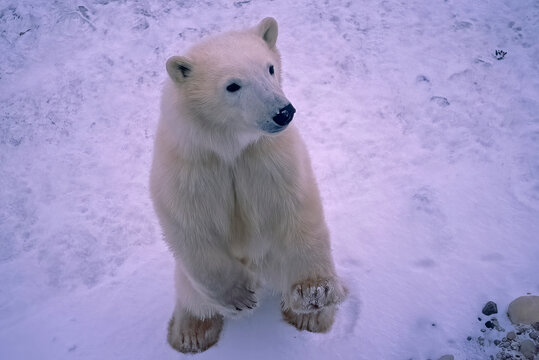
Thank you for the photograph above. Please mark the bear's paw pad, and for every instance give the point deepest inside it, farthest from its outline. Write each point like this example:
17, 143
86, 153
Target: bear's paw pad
313, 295
318, 321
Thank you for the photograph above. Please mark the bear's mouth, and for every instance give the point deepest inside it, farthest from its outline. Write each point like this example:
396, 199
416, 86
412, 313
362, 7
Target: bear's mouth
272, 127
275, 129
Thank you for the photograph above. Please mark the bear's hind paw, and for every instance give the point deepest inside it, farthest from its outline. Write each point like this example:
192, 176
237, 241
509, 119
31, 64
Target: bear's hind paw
318, 321
190, 334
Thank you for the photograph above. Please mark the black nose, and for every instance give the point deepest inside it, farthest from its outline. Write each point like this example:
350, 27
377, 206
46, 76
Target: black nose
285, 115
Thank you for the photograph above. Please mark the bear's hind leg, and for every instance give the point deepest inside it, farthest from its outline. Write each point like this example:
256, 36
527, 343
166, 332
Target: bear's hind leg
195, 324
190, 334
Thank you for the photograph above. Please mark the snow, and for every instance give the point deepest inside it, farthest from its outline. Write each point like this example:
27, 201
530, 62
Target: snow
425, 146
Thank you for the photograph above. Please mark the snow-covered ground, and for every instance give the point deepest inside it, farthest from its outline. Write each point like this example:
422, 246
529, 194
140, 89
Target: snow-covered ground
425, 145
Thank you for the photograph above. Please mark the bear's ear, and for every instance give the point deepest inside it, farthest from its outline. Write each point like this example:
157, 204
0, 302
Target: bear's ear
179, 68
268, 30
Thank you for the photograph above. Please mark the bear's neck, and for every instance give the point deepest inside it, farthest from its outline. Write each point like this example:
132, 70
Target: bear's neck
193, 142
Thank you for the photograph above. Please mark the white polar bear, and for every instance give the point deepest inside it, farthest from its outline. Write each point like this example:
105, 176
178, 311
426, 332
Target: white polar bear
234, 191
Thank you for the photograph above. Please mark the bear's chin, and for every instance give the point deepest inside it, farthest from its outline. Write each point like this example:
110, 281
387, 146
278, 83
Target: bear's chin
273, 129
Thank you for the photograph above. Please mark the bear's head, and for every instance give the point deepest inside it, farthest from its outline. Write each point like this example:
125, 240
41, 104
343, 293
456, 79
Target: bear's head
232, 83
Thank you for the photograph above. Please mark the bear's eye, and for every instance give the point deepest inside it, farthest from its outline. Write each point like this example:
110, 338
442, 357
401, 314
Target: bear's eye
271, 70
233, 87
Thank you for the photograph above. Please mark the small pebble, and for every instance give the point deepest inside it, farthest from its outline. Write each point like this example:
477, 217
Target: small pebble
469, 338
511, 335
489, 324
533, 335
497, 342
496, 324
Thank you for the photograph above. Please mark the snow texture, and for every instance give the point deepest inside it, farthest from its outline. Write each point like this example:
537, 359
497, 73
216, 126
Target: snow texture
424, 139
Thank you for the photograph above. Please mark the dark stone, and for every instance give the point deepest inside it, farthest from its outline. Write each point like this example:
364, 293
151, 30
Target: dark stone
489, 324
536, 325
469, 338
497, 342
490, 308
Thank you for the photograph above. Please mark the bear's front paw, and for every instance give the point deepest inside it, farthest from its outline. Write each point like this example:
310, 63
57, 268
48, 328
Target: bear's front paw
240, 297
313, 295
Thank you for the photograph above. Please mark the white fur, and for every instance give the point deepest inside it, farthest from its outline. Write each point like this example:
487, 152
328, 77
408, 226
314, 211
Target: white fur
239, 207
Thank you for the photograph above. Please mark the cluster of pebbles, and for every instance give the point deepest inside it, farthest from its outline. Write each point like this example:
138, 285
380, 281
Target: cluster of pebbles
521, 342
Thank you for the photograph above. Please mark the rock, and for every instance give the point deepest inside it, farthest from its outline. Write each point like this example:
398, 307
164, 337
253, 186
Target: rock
447, 357
489, 324
528, 349
511, 335
490, 308
497, 342
535, 325
533, 335
524, 310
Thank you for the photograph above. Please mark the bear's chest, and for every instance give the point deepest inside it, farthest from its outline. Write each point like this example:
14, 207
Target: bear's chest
266, 193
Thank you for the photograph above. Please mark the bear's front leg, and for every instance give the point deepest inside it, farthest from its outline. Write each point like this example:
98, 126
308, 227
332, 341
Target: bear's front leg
312, 290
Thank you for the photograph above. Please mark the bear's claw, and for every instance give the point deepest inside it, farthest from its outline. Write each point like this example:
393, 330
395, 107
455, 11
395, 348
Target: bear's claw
240, 298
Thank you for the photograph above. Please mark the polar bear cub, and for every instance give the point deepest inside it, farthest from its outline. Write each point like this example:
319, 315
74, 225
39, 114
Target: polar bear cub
234, 191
